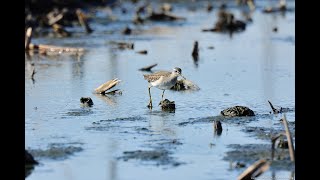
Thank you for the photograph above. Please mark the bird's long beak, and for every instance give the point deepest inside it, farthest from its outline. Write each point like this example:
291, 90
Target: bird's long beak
183, 77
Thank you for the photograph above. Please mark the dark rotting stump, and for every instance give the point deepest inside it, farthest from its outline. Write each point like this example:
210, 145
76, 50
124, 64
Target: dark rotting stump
29, 159
237, 111
127, 31
195, 51
30, 162
217, 127
283, 144
275, 29
167, 105
86, 101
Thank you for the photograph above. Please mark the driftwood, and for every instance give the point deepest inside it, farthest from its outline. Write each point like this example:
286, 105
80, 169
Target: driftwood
289, 138
28, 38
106, 86
43, 49
50, 48
255, 170
83, 21
148, 68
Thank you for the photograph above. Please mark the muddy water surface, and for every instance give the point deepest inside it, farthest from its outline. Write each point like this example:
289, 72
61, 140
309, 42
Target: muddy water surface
119, 138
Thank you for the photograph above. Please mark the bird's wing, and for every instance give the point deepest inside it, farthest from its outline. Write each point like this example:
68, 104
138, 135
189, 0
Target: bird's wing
155, 76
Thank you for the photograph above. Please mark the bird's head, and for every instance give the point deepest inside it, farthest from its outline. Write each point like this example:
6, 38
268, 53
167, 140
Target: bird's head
177, 72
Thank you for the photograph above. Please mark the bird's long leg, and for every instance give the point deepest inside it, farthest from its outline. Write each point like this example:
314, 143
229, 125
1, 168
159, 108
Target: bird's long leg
150, 102
162, 94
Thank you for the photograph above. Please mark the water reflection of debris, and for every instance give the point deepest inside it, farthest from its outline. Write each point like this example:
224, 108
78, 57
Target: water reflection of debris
108, 99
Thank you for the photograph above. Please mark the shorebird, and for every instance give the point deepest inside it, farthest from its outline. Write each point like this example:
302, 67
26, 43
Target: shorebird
162, 80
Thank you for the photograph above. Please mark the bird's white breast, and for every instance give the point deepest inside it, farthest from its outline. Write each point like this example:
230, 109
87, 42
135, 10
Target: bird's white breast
164, 84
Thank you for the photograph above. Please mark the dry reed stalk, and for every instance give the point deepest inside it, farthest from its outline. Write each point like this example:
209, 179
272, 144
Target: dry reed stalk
255, 170
28, 38
83, 21
289, 138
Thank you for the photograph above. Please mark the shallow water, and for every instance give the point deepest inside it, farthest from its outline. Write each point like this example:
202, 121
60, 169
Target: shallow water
246, 69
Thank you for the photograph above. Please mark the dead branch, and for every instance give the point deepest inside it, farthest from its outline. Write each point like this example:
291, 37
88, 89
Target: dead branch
289, 138
142, 52
275, 111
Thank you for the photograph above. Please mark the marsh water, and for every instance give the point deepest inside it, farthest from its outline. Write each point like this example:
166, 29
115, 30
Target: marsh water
248, 68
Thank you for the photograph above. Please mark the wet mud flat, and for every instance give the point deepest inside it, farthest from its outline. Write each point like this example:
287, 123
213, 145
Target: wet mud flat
75, 133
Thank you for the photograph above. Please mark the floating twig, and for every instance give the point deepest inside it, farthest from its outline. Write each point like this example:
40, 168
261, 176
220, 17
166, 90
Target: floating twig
123, 45
255, 170
148, 68
142, 52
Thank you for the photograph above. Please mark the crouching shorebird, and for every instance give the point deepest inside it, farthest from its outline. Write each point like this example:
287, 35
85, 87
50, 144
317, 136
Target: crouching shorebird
162, 80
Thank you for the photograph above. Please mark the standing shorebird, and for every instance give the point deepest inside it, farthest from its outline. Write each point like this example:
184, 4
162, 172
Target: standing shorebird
162, 80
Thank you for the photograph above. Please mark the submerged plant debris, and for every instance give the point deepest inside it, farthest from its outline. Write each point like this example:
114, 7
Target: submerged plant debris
249, 153
155, 157
57, 151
